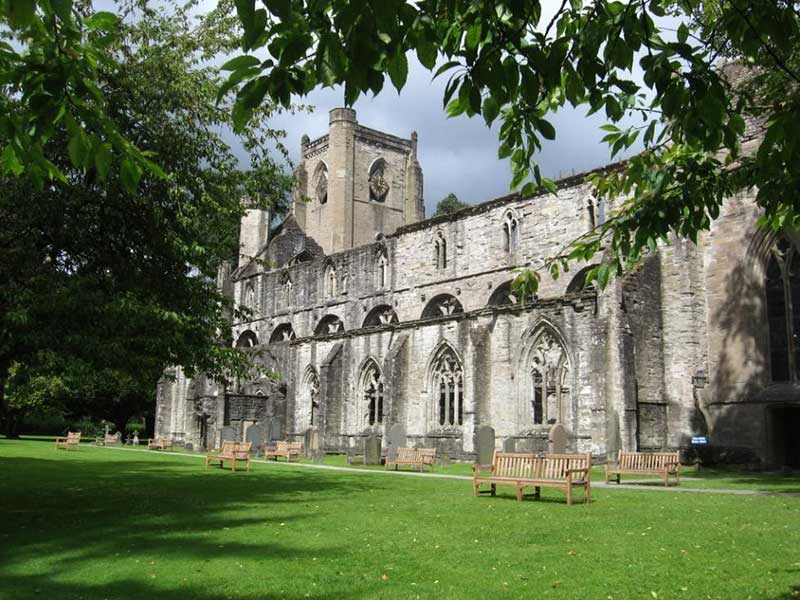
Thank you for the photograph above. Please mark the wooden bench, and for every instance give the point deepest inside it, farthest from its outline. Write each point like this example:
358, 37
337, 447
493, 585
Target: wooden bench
232, 452
161, 443
106, 440
561, 471
412, 457
72, 440
286, 449
662, 464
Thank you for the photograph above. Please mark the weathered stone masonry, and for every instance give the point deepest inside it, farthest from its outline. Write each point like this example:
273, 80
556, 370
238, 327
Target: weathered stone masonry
375, 318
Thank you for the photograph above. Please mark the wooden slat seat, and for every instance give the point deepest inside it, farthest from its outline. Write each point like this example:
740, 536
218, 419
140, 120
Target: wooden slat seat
160, 443
72, 440
662, 464
560, 471
284, 448
412, 457
232, 452
106, 440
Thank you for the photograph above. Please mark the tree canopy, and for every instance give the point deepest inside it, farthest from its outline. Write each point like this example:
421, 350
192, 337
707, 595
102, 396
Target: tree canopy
512, 61
103, 285
448, 205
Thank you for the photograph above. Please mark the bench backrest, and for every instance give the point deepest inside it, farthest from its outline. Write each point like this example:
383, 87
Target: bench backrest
427, 455
294, 446
73, 437
228, 447
646, 461
551, 466
407, 454
242, 449
111, 439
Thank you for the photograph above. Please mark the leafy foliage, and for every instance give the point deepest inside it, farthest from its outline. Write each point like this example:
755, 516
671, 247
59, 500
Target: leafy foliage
101, 288
508, 61
449, 205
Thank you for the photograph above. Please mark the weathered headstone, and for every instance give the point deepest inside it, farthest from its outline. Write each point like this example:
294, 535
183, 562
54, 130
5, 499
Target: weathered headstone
557, 439
395, 438
509, 445
372, 450
227, 434
484, 444
311, 442
256, 435
275, 429
136, 438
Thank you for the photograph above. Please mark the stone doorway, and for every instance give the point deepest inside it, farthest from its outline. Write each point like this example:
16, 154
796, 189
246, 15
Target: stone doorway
784, 438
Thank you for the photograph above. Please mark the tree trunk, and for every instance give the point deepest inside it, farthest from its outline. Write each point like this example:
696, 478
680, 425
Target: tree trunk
8, 420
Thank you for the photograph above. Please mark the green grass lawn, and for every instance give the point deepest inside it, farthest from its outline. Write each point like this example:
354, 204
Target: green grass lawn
103, 523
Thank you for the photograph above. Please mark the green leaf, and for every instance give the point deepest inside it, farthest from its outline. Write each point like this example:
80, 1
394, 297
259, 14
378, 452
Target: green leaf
102, 21
102, 160
398, 69
241, 62
10, 163
20, 13
78, 148
130, 174
546, 129
62, 8
490, 110
279, 8
426, 53
602, 275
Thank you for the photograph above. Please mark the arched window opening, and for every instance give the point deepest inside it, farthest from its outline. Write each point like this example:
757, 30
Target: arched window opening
443, 305
328, 325
503, 295
282, 333
447, 385
381, 315
378, 185
549, 379
783, 311
250, 296
345, 281
510, 232
320, 183
372, 393
311, 394
382, 270
440, 251
329, 281
578, 283
247, 339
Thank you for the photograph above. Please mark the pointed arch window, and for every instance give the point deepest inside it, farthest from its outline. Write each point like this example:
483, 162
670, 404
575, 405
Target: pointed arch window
382, 270
250, 296
372, 393
510, 232
440, 251
311, 394
447, 384
320, 183
329, 281
549, 379
783, 311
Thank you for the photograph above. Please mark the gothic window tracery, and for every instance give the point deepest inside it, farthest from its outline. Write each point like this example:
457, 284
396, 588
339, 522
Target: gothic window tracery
372, 393
320, 183
378, 185
447, 385
250, 296
383, 270
440, 251
443, 305
783, 311
510, 232
549, 379
311, 388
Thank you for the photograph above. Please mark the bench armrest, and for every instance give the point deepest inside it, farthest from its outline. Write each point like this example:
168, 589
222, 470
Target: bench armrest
587, 470
479, 468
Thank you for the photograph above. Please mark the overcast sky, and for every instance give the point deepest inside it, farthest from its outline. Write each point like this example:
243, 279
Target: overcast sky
457, 155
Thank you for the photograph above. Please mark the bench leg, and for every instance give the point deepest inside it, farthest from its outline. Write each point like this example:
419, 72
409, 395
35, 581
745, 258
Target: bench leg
475, 489
494, 490
587, 494
618, 478
537, 492
607, 474
569, 495
520, 489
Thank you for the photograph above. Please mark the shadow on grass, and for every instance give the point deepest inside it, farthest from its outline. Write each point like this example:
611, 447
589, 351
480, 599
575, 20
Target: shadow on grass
78, 512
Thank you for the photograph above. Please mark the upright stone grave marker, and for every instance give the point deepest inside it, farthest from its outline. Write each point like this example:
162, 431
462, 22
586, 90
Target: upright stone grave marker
257, 436
484, 444
557, 439
275, 429
227, 434
311, 442
372, 450
509, 444
395, 438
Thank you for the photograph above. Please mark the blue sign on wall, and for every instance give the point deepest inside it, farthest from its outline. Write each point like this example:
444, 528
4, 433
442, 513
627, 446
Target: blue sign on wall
699, 440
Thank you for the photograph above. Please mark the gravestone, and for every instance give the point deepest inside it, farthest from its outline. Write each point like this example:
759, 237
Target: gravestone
372, 450
256, 435
395, 438
311, 442
275, 429
136, 439
484, 444
227, 434
188, 446
557, 439
509, 445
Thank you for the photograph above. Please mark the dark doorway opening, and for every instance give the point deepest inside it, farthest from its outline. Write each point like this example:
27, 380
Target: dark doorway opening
786, 437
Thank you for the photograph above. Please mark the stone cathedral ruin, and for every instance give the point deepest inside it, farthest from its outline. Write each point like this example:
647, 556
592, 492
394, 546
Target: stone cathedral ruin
378, 320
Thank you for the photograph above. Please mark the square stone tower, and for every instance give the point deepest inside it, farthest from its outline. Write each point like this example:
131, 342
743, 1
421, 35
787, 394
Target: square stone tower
356, 182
